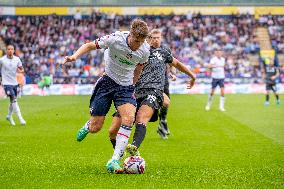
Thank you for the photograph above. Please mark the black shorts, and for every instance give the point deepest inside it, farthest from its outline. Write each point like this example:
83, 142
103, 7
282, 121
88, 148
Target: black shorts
217, 82
271, 86
11, 90
151, 98
107, 90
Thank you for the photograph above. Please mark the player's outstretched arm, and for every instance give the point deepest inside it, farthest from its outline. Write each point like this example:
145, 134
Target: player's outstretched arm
87, 47
181, 67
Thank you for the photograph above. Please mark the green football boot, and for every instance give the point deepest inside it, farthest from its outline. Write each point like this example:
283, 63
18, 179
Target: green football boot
82, 133
113, 166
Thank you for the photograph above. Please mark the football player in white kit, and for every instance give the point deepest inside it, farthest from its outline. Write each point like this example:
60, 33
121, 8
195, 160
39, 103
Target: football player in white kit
125, 56
10, 65
217, 64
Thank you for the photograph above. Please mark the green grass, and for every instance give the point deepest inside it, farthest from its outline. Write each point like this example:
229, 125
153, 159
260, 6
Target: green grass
240, 148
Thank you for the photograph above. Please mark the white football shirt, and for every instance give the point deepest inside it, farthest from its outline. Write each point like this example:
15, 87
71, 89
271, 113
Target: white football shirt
9, 68
219, 71
120, 60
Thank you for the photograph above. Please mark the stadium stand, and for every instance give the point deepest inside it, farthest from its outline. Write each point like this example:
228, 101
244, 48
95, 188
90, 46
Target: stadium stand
42, 41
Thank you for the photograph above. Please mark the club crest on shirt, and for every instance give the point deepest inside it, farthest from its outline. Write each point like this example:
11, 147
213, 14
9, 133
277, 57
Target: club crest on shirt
158, 55
129, 55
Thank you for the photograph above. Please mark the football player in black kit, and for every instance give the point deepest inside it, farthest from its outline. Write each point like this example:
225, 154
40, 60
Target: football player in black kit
149, 90
269, 73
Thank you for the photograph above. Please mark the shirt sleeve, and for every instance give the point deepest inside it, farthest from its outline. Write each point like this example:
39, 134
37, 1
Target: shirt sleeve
106, 41
169, 56
145, 57
20, 64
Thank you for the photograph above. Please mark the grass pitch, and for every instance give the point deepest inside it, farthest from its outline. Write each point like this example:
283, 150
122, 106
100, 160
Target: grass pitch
240, 148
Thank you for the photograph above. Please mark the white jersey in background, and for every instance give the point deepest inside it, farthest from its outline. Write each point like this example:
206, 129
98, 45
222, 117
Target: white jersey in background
219, 71
120, 60
9, 68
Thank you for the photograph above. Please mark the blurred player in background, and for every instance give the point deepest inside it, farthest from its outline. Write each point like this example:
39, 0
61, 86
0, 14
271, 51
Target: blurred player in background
44, 84
126, 54
270, 72
149, 90
217, 64
10, 65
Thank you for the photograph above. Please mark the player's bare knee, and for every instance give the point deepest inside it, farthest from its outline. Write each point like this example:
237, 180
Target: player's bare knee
95, 126
142, 118
127, 120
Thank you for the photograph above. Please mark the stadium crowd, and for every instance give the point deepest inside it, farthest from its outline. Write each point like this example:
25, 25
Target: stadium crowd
43, 41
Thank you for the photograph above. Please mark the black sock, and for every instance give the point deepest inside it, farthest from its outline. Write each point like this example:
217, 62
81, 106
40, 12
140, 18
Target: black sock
163, 113
113, 142
139, 135
267, 98
277, 97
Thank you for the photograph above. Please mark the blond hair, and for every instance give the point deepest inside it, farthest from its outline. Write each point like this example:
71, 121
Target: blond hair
155, 31
139, 28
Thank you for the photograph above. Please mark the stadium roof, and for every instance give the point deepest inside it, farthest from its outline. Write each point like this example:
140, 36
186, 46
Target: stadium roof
138, 3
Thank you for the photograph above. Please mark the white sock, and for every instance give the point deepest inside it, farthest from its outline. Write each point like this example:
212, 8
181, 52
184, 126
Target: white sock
222, 102
121, 141
86, 126
17, 110
10, 110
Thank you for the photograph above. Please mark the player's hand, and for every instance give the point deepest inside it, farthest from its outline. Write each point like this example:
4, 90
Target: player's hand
190, 83
68, 59
173, 76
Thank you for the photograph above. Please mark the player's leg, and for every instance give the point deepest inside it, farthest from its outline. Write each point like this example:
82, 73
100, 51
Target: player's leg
276, 94
9, 92
100, 103
113, 130
143, 116
16, 107
222, 97
163, 128
125, 104
147, 112
267, 95
163, 125
210, 96
96, 121
127, 113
